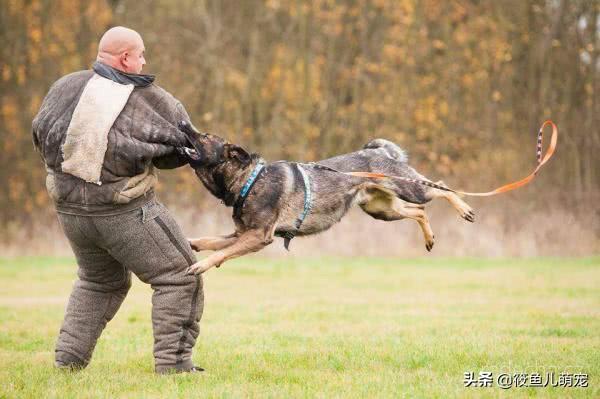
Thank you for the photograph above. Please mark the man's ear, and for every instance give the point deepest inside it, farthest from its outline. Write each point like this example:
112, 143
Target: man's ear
123, 59
236, 152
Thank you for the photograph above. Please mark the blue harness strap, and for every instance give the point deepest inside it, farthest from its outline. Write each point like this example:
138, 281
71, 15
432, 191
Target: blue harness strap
288, 235
239, 202
307, 197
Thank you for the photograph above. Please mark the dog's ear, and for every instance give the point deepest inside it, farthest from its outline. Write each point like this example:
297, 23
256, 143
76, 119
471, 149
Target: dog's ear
233, 151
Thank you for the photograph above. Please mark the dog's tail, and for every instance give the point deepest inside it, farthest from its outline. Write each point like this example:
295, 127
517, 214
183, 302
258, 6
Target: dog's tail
392, 149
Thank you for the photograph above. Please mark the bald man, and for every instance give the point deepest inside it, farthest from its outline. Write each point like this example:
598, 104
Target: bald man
102, 133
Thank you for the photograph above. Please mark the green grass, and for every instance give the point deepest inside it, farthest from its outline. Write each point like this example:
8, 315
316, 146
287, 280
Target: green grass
360, 327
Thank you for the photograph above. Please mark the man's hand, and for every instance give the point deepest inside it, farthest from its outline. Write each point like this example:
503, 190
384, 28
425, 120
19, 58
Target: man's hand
194, 245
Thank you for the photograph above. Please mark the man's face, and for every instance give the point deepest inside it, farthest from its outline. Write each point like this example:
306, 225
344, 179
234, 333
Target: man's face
133, 60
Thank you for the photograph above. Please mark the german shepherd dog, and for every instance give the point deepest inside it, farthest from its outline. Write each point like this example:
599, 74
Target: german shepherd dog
278, 196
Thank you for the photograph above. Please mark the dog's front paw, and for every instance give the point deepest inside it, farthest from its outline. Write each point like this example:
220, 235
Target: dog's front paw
201, 266
198, 268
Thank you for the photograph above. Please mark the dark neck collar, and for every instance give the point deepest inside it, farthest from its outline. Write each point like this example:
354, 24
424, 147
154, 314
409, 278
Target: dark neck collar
121, 77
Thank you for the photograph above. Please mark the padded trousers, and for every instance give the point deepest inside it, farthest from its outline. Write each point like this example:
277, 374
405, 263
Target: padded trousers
148, 242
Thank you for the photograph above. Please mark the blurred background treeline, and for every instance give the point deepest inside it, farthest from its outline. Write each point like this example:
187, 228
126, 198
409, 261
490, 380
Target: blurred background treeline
462, 85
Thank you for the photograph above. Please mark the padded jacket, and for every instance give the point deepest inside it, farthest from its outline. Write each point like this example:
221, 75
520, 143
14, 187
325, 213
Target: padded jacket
143, 137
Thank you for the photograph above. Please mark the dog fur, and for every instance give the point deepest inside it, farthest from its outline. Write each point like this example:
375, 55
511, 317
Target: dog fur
277, 197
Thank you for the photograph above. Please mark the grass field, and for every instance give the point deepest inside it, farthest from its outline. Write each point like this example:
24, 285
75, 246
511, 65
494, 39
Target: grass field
323, 327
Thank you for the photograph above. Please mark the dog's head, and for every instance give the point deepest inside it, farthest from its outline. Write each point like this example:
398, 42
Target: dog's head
211, 150
213, 158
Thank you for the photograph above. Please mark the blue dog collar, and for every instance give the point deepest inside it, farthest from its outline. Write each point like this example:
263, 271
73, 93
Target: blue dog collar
246, 187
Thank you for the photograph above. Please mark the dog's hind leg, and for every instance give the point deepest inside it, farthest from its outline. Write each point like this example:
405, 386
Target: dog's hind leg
383, 204
213, 243
463, 209
407, 210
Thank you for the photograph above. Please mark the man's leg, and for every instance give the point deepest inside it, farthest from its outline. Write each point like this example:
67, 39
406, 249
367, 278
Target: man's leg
150, 244
97, 294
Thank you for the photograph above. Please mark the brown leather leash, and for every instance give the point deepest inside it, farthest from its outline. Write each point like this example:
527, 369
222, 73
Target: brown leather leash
503, 189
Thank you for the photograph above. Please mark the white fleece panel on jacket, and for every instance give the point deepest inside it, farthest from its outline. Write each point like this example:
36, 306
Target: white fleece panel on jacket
101, 102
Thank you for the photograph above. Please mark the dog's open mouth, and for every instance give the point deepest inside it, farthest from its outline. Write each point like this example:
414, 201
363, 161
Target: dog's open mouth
189, 153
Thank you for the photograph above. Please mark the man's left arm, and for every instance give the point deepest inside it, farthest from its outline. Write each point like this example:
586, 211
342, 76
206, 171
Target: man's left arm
174, 159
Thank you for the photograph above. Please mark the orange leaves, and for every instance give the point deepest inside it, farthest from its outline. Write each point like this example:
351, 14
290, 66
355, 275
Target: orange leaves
35, 35
6, 75
236, 79
428, 112
34, 103
16, 188
42, 41
9, 116
99, 15
20, 75
394, 54
306, 80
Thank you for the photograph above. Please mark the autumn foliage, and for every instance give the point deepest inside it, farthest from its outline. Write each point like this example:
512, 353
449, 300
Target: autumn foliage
462, 85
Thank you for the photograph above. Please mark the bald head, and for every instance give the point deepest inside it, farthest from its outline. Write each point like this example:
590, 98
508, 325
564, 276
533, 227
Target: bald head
122, 48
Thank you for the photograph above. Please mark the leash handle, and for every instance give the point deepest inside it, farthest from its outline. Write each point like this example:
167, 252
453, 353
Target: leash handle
502, 189
541, 161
